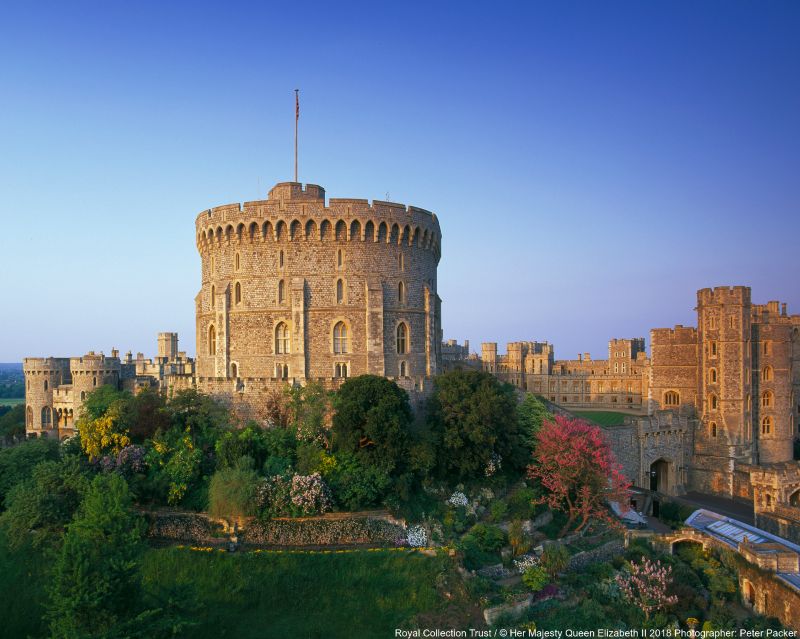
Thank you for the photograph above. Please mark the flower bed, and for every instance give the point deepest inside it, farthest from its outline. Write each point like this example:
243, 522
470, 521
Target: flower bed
324, 532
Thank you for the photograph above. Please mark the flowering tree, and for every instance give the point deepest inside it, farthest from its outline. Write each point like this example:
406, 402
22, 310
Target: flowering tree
645, 585
575, 465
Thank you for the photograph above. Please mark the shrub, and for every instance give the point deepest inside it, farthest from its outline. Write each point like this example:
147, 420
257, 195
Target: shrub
519, 541
535, 578
232, 492
498, 510
521, 503
555, 559
316, 532
355, 485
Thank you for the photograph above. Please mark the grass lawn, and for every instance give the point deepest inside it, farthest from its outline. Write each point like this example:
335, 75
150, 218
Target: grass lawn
11, 401
604, 418
249, 595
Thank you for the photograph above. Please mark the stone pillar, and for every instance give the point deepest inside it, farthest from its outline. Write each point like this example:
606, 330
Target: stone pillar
298, 366
374, 324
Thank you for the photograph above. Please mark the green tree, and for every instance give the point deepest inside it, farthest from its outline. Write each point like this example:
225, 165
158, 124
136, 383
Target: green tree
372, 421
473, 417
16, 463
100, 400
199, 414
531, 413
95, 584
310, 408
12, 424
232, 492
39, 508
355, 485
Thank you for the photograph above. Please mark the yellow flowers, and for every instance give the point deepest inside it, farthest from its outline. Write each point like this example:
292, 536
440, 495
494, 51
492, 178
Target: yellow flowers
99, 436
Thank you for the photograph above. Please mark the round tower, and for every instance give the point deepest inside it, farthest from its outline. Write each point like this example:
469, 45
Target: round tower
294, 288
90, 372
42, 376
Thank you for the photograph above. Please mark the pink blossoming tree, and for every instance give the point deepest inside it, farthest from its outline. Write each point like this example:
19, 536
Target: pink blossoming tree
646, 584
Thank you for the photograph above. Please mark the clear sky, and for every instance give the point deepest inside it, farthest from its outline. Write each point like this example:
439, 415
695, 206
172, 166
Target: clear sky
592, 164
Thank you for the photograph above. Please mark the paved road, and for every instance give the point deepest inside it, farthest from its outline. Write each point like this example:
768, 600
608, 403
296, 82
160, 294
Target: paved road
727, 507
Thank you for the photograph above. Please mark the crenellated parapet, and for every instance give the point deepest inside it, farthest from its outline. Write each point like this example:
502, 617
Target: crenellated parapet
293, 214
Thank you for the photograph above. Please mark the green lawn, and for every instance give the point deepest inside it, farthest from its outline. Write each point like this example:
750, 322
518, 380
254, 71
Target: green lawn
11, 401
604, 418
249, 595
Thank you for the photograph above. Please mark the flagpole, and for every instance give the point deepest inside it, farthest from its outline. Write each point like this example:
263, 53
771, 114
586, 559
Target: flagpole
296, 119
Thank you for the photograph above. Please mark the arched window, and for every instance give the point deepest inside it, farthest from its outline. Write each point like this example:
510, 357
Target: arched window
339, 291
339, 259
83, 396
45, 384
767, 399
766, 425
340, 370
282, 371
713, 402
401, 262
712, 376
280, 260
766, 374
238, 263
281, 292
213, 296
234, 370
765, 348
29, 417
94, 381
401, 293
237, 293
403, 370
402, 338
713, 348
713, 429
282, 343
671, 398
212, 340
340, 338
46, 417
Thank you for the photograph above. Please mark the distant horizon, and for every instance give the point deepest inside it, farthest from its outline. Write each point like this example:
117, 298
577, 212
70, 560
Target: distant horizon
591, 166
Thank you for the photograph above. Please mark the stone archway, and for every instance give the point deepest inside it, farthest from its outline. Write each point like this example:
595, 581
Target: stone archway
661, 476
748, 594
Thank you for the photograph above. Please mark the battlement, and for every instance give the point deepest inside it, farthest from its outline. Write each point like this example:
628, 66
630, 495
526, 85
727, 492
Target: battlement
294, 213
94, 362
678, 335
44, 364
724, 295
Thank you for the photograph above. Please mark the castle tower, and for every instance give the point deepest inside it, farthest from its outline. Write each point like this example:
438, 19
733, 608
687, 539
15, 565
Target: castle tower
724, 399
89, 373
773, 351
296, 289
168, 346
42, 376
489, 356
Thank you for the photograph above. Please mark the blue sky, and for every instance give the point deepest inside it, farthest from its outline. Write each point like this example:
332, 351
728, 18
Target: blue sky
592, 164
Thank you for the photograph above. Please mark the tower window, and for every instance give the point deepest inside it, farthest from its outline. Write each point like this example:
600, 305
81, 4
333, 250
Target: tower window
339, 259
340, 338
212, 340
280, 259
714, 402
403, 369
767, 399
45, 384
671, 398
213, 296
766, 348
713, 429
766, 425
712, 347
282, 371
402, 338
281, 292
712, 376
234, 371
238, 264
401, 262
340, 370
339, 291
46, 417
238, 293
401, 293
282, 341
766, 374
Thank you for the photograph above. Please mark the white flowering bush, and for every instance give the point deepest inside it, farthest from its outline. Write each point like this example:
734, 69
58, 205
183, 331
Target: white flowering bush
458, 499
310, 494
417, 537
524, 562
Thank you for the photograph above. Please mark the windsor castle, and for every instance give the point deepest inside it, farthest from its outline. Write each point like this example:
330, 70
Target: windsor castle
300, 288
